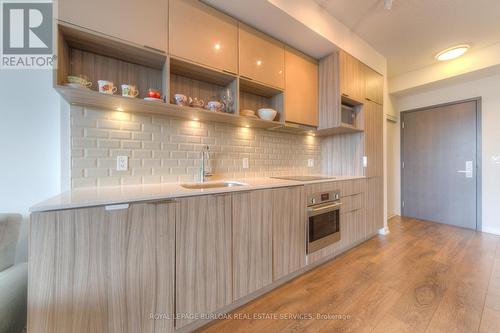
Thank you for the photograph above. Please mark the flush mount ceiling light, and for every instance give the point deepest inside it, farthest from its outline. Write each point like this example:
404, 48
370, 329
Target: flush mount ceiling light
452, 52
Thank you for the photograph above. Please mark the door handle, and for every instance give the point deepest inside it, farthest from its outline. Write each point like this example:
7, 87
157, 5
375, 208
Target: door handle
469, 169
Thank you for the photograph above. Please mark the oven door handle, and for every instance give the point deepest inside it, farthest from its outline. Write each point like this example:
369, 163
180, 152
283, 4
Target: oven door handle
312, 211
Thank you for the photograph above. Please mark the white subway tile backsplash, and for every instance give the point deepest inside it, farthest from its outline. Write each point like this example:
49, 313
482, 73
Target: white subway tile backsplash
163, 149
120, 135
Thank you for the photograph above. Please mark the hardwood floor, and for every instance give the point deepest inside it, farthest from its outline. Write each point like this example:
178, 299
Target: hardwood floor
422, 277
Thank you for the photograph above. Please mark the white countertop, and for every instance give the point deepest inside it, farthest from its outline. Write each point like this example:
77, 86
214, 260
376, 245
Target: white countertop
113, 195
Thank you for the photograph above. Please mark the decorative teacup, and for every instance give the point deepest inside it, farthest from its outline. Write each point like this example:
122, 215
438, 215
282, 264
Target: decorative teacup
129, 90
197, 103
215, 106
79, 79
182, 100
107, 87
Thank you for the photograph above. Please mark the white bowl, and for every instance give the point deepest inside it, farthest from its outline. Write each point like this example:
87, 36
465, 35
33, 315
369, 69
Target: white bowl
267, 114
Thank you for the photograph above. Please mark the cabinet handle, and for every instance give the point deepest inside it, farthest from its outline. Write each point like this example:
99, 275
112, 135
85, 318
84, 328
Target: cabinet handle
116, 207
246, 77
161, 201
345, 95
154, 49
228, 72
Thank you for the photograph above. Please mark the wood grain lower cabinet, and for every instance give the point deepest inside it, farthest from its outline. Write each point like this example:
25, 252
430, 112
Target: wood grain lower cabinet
374, 205
93, 270
352, 229
203, 256
252, 241
289, 233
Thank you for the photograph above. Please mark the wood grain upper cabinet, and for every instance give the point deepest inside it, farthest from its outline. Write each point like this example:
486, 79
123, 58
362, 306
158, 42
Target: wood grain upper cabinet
289, 230
374, 122
252, 241
374, 86
203, 255
301, 85
99, 270
351, 77
140, 22
262, 58
203, 35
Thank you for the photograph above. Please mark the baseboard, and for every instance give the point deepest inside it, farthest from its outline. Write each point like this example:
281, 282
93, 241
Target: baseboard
489, 230
384, 231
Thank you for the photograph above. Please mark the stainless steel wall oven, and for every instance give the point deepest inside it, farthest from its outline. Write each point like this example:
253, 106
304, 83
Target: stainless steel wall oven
323, 213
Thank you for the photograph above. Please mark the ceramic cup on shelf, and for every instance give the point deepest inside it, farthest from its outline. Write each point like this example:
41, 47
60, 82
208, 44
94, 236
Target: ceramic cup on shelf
80, 80
182, 100
215, 106
129, 90
197, 103
106, 87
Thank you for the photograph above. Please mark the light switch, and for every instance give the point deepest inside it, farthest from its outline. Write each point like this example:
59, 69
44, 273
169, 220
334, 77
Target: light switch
245, 163
365, 161
121, 163
310, 162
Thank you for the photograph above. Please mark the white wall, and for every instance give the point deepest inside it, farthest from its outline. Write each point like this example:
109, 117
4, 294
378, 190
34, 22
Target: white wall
30, 168
489, 89
393, 168
319, 20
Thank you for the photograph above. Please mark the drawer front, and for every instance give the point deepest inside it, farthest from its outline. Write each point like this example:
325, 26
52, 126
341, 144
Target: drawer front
351, 203
346, 187
351, 187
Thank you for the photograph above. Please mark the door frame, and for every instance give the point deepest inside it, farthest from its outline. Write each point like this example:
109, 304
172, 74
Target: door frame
479, 157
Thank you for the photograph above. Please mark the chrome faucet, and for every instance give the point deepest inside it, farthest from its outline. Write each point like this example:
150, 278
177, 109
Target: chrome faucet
205, 156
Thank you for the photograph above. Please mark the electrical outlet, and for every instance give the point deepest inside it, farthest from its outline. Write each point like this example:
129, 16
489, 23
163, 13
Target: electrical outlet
245, 163
121, 163
310, 163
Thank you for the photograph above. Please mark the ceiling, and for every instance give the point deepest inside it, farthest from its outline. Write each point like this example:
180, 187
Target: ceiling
414, 31
275, 22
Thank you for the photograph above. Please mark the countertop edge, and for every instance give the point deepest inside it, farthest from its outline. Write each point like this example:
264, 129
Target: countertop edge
63, 201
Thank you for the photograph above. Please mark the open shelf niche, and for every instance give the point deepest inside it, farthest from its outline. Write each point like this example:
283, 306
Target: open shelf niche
254, 95
98, 58
351, 114
203, 83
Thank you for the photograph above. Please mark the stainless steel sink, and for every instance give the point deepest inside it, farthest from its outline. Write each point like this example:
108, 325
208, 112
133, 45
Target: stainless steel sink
201, 186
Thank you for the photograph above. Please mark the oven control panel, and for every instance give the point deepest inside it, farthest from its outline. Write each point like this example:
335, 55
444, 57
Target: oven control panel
322, 197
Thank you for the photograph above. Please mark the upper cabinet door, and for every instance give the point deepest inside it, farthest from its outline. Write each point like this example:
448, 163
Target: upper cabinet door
261, 57
140, 22
374, 85
203, 35
351, 77
301, 98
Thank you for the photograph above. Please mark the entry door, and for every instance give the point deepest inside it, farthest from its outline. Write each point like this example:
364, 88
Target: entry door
439, 159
